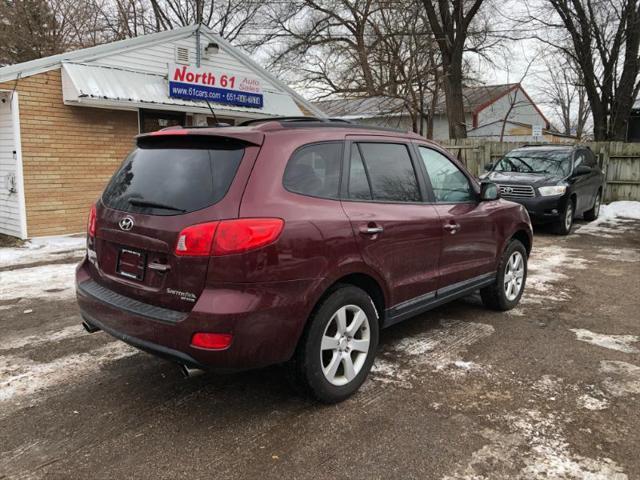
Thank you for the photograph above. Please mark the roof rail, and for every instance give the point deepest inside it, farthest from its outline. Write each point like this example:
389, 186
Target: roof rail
291, 120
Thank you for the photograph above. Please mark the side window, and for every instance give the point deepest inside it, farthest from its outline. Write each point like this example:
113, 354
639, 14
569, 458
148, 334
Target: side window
358, 182
449, 184
390, 172
580, 159
315, 170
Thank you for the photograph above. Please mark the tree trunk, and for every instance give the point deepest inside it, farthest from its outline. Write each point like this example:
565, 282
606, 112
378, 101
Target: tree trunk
454, 99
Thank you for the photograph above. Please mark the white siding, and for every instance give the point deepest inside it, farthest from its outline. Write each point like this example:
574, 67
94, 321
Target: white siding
523, 110
10, 220
154, 59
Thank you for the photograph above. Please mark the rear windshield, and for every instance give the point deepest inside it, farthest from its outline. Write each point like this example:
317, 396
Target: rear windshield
171, 179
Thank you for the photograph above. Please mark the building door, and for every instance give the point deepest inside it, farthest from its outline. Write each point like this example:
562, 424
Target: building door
12, 221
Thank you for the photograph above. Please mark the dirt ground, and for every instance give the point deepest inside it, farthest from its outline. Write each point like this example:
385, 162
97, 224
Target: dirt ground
548, 390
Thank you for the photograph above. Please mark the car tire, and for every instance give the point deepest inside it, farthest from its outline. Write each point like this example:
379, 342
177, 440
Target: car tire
330, 363
591, 215
511, 277
563, 227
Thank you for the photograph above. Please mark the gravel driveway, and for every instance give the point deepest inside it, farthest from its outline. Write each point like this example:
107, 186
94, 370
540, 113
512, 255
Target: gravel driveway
548, 390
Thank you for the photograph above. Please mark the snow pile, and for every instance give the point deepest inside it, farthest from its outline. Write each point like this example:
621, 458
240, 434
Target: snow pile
43, 249
622, 343
621, 209
614, 218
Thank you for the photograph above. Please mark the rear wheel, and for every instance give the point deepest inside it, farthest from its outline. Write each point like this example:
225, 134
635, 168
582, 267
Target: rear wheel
591, 215
338, 347
563, 227
511, 277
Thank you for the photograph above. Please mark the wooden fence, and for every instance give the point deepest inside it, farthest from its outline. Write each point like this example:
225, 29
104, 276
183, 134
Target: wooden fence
620, 162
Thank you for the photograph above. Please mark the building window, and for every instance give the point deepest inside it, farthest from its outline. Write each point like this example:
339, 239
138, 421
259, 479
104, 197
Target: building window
152, 120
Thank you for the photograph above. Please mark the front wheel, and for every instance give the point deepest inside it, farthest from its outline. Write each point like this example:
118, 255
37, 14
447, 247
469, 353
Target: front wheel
563, 227
338, 347
506, 291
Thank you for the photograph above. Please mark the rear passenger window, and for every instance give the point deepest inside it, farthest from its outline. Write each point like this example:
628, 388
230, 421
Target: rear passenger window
389, 172
358, 182
315, 170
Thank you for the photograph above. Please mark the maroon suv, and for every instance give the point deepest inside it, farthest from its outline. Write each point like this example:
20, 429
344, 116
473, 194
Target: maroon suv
291, 240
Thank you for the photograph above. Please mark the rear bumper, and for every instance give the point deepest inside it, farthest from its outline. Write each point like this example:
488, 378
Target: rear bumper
265, 320
543, 209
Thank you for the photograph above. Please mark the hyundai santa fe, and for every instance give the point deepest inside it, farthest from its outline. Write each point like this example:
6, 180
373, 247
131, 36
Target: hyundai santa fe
554, 183
291, 241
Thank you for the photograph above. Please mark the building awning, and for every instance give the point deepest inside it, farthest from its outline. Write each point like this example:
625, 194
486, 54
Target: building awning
109, 87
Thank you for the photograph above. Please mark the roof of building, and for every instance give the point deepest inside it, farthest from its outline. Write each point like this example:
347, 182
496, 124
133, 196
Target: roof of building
87, 55
475, 99
547, 131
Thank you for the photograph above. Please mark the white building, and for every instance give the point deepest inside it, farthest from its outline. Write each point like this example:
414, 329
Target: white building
67, 121
490, 105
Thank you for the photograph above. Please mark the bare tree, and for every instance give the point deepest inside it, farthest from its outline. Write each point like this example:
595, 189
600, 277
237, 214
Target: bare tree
450, 21
32, 29
560, 84
361, 48
602, 39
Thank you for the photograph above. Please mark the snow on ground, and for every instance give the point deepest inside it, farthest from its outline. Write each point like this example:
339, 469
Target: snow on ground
614, 218
32, 341
621, 209
43, 249
533, 446
592, 403
51, 281
547, 268
622, 343
622, 378
20, 376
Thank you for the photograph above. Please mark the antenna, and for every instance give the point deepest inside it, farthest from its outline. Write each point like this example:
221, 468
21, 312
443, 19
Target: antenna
215, 119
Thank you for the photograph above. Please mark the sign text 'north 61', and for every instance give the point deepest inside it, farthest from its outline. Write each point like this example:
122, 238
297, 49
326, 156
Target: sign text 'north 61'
215, 85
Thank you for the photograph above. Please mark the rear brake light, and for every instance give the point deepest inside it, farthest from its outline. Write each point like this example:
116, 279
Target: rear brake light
228, 236
91, 222
211, 341
196, 240
237, 236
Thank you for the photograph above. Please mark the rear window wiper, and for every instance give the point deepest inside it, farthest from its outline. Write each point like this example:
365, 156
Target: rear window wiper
145, 203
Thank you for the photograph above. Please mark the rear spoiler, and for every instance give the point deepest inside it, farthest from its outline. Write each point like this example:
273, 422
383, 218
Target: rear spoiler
241, 134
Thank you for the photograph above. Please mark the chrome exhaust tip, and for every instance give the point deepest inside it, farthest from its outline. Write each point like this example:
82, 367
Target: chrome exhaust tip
90, 328
189, 372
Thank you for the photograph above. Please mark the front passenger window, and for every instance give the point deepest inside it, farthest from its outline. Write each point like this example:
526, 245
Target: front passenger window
449, 184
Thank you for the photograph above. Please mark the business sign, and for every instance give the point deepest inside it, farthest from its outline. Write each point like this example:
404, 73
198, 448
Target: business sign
214, 85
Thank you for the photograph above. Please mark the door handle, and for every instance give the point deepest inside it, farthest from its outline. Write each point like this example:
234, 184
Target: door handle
371, 230
452, 228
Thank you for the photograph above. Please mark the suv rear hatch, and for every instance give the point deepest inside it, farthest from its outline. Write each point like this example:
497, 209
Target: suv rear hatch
168, 183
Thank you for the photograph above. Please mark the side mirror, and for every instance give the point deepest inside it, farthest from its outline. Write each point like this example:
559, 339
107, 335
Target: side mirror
489, 191
488, 167
582, 170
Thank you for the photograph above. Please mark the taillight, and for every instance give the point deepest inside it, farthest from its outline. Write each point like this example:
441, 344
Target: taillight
196, 240
91, 222
244, 234
211, 341
228, 236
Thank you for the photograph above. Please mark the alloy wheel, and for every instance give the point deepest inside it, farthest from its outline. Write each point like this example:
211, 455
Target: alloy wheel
514, 276
568, 217
345, 345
